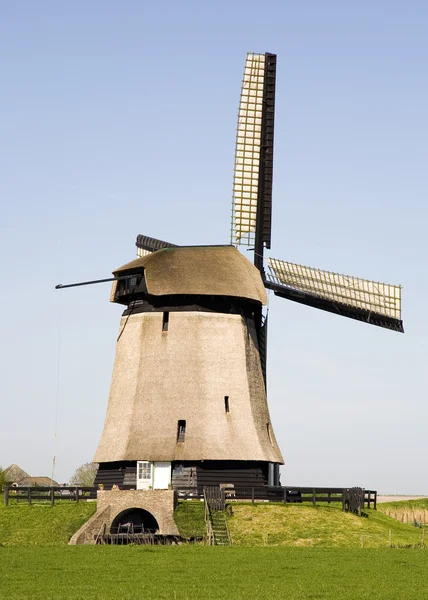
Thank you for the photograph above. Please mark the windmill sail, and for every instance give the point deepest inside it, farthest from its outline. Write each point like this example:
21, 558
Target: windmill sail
146, 245
369, 301
252, 185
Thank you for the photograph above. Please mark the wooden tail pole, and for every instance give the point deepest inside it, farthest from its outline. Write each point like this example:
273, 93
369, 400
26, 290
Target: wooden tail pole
61, 286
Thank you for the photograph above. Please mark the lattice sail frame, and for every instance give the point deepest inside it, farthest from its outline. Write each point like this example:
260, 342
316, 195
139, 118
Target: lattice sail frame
247, 152
380, 298
147, 245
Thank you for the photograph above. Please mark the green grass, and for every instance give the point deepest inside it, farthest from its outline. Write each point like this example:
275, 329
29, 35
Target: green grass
211, 573
299, 525
333, 565
293, 525
189, 518
251, 525
42, 524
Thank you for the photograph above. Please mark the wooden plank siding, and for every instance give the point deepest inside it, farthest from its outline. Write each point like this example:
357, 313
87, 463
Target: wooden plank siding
240, 475
123, 474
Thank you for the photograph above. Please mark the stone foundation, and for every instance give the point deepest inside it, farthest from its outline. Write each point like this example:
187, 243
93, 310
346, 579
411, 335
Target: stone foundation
110, 503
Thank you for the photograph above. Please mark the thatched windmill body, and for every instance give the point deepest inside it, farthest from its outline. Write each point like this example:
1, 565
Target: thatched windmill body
187, 402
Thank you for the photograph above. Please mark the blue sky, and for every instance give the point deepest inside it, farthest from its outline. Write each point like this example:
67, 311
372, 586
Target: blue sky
120, 119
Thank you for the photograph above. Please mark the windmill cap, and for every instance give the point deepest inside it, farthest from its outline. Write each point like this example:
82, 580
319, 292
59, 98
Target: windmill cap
199, 271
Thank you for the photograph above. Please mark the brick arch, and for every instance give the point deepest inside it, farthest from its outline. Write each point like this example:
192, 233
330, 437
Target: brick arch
159, 503
141, 519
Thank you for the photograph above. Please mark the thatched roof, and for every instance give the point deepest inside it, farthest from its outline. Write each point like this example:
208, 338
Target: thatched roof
14, 473
199, 270
186, 374
39, 481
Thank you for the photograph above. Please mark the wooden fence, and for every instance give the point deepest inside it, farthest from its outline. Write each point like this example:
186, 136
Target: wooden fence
36, 494
312, 495
286, 494
215, 497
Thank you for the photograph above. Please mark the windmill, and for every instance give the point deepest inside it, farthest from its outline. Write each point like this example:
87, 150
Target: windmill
188, 402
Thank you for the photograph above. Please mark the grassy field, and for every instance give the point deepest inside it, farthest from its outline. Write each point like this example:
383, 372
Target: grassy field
205, 573
309, 553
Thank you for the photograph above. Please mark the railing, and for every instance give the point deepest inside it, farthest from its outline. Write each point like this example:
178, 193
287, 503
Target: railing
208, 522
33, 494
286, 494
222, 494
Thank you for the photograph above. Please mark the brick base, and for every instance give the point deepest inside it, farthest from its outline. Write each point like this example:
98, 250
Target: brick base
110, 503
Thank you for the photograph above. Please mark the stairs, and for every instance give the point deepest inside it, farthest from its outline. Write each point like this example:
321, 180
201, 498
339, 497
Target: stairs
219, 528
215, 518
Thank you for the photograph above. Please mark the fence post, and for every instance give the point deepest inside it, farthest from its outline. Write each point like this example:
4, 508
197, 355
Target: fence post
52, 497
344, 499
29, 494
6, 495
77, 494
314, 498
252, 495
375, 500
285, 495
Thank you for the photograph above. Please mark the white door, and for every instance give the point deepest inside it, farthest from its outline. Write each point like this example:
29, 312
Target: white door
162, 475
144, 475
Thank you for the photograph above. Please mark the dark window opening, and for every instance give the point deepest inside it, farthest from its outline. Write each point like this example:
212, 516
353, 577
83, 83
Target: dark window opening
165, 321
178, 471
226, 404
269, 433
181, 431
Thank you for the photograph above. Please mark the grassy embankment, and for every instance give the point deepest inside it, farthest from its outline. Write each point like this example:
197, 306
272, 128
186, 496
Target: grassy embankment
299, 525
42, 524
406, 511
212, 573
251, 525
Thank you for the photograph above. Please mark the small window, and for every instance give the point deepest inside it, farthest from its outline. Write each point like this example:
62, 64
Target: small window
144, 470
226, 404
178, 471
269, 433
165, 321
181, 431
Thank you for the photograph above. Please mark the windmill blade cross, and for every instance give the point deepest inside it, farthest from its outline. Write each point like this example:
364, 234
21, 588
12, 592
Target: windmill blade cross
146, 245
253, 173
369, 301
